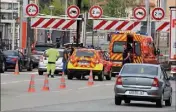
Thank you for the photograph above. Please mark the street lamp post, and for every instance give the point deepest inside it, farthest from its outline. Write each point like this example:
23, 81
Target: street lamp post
51, 13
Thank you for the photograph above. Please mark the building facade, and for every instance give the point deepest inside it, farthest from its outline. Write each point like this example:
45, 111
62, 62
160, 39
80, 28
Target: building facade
9, 14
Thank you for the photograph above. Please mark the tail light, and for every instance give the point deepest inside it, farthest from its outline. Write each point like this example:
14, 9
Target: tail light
34, 52
41, 58
13, 59
119, 80
155, 82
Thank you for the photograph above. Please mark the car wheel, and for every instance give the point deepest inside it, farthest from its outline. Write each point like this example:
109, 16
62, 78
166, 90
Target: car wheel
101, 76
108, 77
118, 100
40, 72
169, 101
159, 103
3, 67
69, 76
127, 101
78, 77
30, 67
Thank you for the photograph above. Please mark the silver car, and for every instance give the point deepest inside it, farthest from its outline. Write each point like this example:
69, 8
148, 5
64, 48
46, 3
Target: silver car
143, 82
42, 66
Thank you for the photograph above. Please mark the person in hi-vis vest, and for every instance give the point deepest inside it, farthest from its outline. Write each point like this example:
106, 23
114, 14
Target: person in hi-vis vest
53, 55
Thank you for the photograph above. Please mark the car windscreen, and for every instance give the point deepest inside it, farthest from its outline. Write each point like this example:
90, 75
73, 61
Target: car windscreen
10, 53
80, 53
118, 47
42, 48
139, 70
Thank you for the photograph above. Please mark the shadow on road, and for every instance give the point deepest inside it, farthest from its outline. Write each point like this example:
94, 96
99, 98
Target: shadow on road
141, 105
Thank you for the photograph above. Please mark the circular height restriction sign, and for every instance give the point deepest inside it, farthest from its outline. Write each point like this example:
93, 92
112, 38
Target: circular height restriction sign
96, 12
32, 10
158, 13
73, 11
139, 13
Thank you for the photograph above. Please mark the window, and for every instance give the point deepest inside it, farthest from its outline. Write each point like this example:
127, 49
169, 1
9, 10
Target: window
140, 70
87, 53
118, 47
137, 48
41, 48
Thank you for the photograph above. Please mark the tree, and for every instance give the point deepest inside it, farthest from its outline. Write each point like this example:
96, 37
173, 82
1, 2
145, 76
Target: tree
58, 8
117, 8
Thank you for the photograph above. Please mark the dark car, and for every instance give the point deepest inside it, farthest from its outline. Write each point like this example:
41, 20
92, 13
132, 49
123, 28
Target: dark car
38, 51
2, 62
143, 82
23, 61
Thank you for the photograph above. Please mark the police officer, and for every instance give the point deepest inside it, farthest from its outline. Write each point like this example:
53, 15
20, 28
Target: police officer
126, 55
52, 55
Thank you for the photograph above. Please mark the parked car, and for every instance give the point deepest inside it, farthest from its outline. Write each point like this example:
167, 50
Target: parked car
42, 66
38, 51
83, 60
2, 62
23, 61
143, 82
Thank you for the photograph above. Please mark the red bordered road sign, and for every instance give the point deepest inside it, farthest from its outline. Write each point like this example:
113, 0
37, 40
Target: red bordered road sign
158, 13
32, 10
96, 12
73, 11
139, 13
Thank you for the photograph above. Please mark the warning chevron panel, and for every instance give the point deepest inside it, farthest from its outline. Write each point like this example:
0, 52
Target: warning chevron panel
53, 23
116, 25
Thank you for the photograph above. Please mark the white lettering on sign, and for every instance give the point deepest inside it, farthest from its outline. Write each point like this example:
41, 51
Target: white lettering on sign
158, 14
32, 10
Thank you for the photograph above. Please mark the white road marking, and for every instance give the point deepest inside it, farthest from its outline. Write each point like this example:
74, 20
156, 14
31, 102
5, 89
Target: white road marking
38, 93
12, 82
83, 87
24, 73
110, 84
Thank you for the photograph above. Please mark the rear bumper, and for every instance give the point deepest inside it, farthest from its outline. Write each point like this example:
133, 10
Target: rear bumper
83, 71
150, 94
10, 65
116, 69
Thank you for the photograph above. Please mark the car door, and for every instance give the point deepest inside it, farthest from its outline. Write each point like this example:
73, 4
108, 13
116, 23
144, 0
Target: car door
1, 58
167, 86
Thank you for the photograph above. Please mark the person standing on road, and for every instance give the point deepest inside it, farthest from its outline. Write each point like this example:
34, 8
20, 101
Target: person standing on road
53, 56
65, 59
126, 55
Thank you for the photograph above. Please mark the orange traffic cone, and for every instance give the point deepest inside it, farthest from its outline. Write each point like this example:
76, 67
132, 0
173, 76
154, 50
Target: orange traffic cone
16, 68
62, 85
31, 85
46, 84
90, 81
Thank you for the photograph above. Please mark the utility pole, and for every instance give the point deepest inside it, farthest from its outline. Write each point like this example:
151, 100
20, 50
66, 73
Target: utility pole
148, 17
78, 23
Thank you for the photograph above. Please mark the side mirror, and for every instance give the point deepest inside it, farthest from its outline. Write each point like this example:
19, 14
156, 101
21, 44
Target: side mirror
158, 51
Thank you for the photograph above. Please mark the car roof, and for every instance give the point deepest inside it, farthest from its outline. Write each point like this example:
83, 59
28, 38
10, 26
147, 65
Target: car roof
146, 64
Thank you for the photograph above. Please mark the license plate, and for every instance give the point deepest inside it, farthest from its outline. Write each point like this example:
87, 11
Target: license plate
136, 92
81, 63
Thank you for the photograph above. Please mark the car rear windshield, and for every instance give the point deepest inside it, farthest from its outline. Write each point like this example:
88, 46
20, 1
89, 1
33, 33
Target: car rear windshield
139, 70
87, 53
10, 53
42, 48
61, 53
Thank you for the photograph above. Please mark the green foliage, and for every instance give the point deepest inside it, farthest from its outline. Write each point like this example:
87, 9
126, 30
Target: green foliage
58, 8
117, 8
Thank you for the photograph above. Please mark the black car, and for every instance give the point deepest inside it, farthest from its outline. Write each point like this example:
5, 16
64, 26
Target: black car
12, 56
2, 62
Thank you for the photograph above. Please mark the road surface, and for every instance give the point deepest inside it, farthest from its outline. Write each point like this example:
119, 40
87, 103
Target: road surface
76, 97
